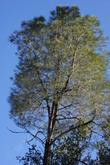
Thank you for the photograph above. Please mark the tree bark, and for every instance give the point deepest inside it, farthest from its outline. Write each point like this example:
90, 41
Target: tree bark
51, 124
47, 153
47, 148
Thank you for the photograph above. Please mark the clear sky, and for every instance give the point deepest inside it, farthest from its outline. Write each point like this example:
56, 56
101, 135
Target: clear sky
12, 13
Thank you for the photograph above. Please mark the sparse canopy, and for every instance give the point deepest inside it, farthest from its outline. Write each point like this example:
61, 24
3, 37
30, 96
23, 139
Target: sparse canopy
59, 83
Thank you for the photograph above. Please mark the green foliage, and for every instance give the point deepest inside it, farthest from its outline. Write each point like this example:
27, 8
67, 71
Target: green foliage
62, 12
32, 157
60, 77
69, 149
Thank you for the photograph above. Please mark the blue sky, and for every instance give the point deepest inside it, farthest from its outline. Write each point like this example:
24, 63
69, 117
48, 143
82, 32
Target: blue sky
12, 13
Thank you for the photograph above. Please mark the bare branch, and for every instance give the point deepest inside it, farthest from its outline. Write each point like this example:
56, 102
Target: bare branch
65, 107
69, 118
40, 140
34, 136
12, 131
72, 128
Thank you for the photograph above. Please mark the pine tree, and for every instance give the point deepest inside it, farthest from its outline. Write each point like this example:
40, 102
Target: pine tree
59, 82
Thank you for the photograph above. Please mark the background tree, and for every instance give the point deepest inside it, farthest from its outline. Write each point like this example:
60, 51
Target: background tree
103, 154
66, 150
59, 84
32, 157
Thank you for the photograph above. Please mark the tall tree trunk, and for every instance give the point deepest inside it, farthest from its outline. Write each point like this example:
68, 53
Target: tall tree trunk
47, 148
51, 124
47, 153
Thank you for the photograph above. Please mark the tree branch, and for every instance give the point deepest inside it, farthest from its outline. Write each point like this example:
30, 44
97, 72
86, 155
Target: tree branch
72, 128
68, 118
12, 131
65, 107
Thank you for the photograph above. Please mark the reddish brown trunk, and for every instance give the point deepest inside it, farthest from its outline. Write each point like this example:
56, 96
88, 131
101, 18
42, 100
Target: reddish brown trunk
51, 124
